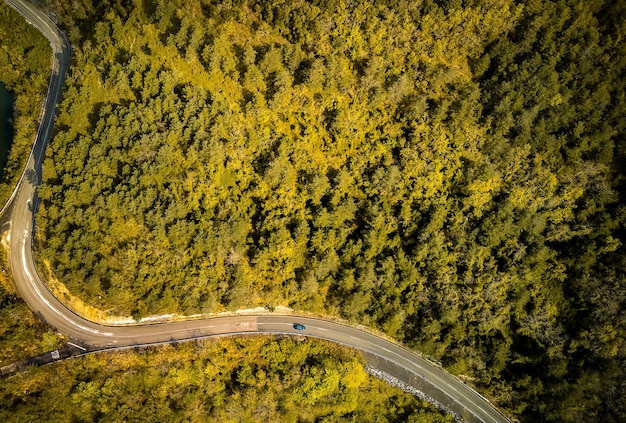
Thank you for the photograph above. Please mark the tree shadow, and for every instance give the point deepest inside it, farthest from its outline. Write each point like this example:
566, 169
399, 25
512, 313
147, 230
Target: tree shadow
32, 177
94, 116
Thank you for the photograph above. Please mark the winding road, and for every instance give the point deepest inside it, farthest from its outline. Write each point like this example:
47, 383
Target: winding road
388, 358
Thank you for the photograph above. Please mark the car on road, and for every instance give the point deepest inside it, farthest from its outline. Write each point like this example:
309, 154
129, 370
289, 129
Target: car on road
298, 326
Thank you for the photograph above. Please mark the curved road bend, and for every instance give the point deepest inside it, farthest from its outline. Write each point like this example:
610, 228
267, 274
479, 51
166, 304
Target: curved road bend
381, 354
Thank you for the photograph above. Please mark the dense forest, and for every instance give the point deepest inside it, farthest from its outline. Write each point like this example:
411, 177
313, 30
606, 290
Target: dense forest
24, 69
256, 379
449, 172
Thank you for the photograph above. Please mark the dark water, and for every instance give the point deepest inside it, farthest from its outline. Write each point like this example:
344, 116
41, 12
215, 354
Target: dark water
6, 126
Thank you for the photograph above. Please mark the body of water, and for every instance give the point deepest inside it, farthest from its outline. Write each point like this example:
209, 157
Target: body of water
6, 126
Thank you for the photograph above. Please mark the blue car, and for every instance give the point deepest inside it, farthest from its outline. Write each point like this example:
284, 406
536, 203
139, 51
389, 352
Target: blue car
298, 326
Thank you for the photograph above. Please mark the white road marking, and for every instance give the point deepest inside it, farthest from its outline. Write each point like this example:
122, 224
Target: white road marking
50, 306
77, 346
49, 29
443, 386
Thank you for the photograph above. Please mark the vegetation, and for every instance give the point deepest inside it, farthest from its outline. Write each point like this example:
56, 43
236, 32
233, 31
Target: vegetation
449, 172
228, 380
24, 69
22, 333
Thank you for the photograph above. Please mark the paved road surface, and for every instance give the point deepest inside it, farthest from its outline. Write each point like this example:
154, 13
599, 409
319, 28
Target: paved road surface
386, 356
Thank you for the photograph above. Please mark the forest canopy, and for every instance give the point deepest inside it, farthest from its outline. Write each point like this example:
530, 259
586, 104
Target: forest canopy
24, 70
448, 172
258, 379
